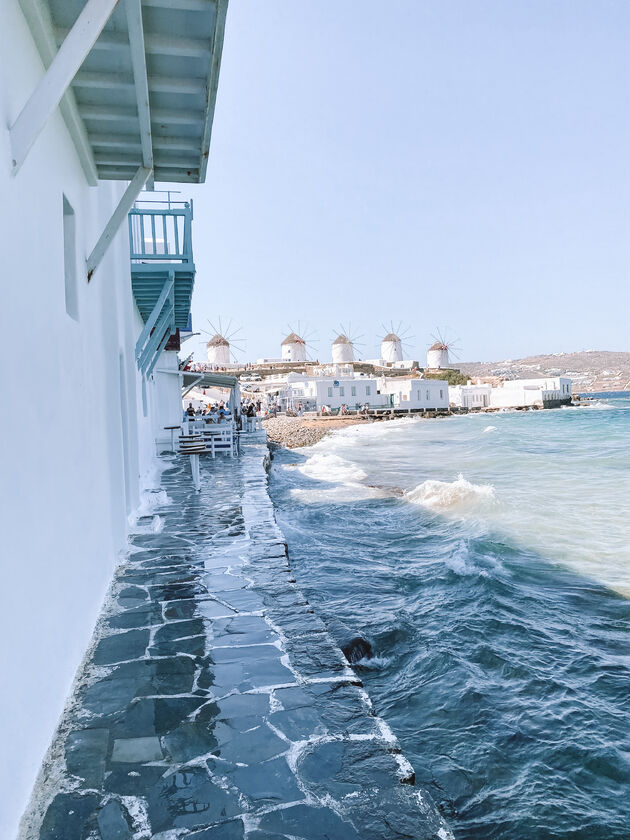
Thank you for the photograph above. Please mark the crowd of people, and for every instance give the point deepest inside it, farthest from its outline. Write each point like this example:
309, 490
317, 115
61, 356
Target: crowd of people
220, 412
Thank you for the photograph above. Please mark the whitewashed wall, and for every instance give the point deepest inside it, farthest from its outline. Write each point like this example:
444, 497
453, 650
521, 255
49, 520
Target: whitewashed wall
414, 394
518, 393
71, 460
470, 396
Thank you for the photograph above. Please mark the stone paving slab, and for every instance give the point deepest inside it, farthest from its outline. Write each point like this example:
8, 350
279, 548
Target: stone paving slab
214, 705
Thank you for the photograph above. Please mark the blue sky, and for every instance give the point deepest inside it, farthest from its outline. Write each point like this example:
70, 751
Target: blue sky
462, 164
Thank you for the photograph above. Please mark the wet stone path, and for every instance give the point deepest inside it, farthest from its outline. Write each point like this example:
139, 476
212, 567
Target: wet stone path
214, 705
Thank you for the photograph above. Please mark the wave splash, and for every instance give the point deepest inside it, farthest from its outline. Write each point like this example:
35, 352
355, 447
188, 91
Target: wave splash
328, 467
459, 496
461, 563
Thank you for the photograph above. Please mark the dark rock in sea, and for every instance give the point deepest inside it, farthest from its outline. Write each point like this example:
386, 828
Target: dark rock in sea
354, 646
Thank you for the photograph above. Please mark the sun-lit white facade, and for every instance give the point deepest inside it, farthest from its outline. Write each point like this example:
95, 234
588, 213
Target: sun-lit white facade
81, 422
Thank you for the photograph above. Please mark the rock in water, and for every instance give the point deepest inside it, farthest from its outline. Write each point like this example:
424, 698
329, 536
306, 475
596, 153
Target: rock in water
353, 645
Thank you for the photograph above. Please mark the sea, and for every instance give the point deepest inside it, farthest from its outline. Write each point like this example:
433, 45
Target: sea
486, 558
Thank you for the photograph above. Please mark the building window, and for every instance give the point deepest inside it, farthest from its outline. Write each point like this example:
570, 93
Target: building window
70, 260
368, 390
353, 390
342, 391
441, 393
427, 394
330, 392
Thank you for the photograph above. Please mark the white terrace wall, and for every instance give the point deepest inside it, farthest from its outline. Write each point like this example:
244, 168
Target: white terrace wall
72, 455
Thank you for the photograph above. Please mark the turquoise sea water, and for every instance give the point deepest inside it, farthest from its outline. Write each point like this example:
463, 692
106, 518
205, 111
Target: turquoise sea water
487, 558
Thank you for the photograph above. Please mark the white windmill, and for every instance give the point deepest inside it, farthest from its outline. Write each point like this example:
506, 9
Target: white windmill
296, 345
221, 344
440, 352
392, 343
343, 346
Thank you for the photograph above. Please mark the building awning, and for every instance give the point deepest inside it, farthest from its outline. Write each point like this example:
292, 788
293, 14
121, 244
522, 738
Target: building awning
210, 380
136, 82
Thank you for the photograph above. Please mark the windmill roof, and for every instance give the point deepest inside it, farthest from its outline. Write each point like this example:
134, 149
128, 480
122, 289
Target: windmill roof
391, 337
342, 339
438, 346
218, 341
293, 338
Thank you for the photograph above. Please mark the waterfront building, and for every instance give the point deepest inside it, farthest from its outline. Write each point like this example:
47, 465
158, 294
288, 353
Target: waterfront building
551, 392
356, 390
315, 392
92, 119
415, 394
470, 395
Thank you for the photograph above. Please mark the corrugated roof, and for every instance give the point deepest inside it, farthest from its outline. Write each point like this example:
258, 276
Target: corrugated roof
183, 41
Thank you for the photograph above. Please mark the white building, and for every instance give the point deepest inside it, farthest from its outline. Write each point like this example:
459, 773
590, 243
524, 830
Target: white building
470, 395
407, 394
551, 392
218, 351
293, 348
80, 422
342, 350
355, 391
315, 392
437, 356
391, 348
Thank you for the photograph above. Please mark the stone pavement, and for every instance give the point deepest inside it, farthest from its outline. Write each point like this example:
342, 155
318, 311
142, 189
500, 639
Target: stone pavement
214, 705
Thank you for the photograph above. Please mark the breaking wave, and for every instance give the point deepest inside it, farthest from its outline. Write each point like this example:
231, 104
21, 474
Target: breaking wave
490, 429
328, 467
457, 496
461, 563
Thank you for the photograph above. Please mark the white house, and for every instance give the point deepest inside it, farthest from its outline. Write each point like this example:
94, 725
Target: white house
355, 391
315, 392
470, 395
415, 394
550, 392
78, 143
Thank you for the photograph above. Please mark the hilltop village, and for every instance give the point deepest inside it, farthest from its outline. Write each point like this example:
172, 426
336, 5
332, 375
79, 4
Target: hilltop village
390, 385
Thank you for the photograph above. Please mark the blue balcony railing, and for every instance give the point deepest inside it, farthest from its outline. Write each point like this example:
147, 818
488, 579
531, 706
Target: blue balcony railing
162, 273
162, 235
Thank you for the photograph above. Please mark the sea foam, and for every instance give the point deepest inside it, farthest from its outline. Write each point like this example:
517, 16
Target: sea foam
333, 468
459, 496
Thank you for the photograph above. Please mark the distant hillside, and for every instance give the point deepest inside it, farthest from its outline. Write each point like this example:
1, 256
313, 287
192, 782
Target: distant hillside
591, 370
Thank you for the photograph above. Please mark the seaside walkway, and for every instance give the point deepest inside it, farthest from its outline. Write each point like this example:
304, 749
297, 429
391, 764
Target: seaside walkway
213, 704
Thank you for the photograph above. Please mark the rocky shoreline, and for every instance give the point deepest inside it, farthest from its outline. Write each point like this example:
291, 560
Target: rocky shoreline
294, 432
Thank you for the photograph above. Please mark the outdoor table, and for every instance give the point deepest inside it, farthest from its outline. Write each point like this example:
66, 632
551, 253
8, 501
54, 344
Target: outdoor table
171, 429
